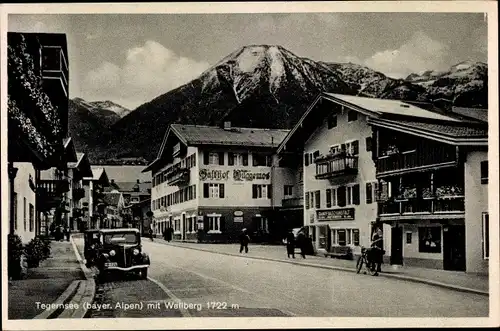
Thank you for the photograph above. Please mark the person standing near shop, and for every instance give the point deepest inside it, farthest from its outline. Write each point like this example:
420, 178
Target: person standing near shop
290, 244
244, 240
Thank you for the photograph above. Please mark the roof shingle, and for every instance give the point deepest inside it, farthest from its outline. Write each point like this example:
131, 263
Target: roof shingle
456, 131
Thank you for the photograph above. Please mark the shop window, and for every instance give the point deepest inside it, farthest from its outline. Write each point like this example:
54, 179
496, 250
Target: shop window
355, 237
213, 223
429, 239
484, 172
341, 237
486, 236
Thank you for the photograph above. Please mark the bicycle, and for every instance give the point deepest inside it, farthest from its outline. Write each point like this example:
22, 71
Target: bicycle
370, 267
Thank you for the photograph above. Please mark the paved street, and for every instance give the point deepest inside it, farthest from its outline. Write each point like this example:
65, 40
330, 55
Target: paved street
248, 287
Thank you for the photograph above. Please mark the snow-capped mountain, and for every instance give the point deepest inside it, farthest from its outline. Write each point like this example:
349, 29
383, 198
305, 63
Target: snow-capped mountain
110, 105
269, 86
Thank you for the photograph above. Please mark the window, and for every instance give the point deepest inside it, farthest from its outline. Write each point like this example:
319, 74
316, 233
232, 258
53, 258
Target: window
334, 197
355, 237
332, 121
352, 115
486, 236
341, 196
369, 144
318, 199
429, 239
335, 149
213, 158
264, 224
32, 216
214, 223
352, 147
260, 160
14, 205
341, 237
349, 195
315, 155
261, 191
24, 215
211, 190
288, 190
306, 159
328, 198
484, 172
235, 159
408, 237
348, 236
307, 200
369, 193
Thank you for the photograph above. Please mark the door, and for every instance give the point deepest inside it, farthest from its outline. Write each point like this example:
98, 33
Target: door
183, 226
397, 245
454, 247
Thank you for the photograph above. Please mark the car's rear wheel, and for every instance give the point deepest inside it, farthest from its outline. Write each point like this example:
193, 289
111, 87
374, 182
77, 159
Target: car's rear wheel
144, 273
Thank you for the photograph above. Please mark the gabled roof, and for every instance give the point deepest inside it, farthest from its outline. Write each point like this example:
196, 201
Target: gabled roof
69, 150
196, 135
126, 173
82, 164
456, 134
371, 107
478, 114
128, 187
98, 174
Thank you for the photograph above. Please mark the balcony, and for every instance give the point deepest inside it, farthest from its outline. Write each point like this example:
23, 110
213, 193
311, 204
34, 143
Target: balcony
178, 176
50, 192
292, 202
334, 165
78, 193
55, 66
428, 206
425, 156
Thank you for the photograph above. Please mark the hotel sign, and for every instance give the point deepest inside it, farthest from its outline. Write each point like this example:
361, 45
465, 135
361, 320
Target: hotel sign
242, 175
336, 214
214, 174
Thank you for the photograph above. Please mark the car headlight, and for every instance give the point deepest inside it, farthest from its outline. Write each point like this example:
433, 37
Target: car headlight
136, 251
112, 252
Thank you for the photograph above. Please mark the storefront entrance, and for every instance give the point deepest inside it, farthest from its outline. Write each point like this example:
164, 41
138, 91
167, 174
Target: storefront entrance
454, 247
397, 245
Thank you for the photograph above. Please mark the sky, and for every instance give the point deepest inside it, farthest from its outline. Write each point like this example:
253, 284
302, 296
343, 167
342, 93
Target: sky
132, 58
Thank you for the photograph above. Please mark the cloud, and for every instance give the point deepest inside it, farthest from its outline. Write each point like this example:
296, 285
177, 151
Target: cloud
418, 54
39, 27
148, 71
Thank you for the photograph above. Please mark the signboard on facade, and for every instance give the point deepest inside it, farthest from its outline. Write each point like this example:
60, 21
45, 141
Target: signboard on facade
206, 174
336, 214
238, 219
238, 213
247, 175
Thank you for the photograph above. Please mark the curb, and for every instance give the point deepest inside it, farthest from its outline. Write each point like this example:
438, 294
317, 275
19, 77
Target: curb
306, 264
63, 299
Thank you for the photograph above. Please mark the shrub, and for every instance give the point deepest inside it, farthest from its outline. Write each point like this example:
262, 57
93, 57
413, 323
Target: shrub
46, 246
15, 251
35, 252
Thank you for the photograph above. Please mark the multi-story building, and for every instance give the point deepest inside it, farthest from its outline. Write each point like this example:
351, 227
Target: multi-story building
433, 177
37, 124
133, 193
113, 207
93, 202
211, 182
77, 171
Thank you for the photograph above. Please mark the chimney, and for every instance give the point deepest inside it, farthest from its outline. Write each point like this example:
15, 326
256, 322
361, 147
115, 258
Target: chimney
227, 125
138, 181
112, 182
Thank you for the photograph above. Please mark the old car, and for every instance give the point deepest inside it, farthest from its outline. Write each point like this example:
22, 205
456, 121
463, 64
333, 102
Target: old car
121, 251
91, 245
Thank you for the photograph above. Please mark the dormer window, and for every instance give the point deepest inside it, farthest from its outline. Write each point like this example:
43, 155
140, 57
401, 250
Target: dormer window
176, 149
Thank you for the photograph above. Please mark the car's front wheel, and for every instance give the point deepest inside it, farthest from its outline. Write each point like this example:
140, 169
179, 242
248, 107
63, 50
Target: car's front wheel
144, 273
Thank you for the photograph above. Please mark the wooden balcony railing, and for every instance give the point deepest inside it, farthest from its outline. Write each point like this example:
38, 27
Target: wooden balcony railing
334, 165
415, 159
292, 202
181, 175
422, 206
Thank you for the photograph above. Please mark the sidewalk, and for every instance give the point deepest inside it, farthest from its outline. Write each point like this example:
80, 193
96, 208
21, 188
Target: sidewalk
44, 284
460, 281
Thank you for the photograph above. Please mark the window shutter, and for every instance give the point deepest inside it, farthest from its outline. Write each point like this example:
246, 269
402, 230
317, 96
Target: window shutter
230, 159
355, 147
328, 198
318, 199
245, 159
221, 190
206, 224
221, 158
369, 142
307, 200
355, 194
254, 191
341, 196
205, 190
306, 159
194, 160
254, 159
369, 197
269, 191
205, 158
222, 224
342, 147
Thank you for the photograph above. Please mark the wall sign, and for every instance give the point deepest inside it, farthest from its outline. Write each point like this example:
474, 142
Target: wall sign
238, 213
247, 175
214, 174
238, 219
336, 214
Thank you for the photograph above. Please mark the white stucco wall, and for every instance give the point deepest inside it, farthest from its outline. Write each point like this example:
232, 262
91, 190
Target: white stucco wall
23, 190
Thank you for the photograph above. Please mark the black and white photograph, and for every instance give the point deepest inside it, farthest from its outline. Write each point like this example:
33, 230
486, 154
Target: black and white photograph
249, 165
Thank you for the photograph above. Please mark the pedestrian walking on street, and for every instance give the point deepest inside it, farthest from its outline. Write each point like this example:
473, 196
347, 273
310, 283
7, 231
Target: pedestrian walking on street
244, 240
151, 235
302, 242
290, 244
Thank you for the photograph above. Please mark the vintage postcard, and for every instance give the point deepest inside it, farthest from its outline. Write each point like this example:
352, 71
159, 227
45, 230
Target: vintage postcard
249, 165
